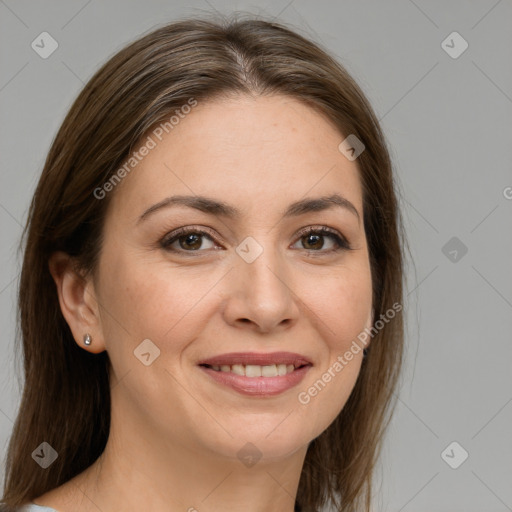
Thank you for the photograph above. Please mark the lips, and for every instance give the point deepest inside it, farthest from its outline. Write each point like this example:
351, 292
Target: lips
251, 373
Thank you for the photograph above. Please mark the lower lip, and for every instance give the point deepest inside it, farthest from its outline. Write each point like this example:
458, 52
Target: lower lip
258, 386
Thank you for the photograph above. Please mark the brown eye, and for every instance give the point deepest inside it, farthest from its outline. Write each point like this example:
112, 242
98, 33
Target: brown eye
313, 242
187, 241
322, 240
192, 241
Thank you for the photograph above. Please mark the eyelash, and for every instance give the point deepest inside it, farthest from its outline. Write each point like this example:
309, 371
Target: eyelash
340, 241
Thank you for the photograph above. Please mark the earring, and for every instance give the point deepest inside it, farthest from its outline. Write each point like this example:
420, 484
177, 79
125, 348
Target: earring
87, 339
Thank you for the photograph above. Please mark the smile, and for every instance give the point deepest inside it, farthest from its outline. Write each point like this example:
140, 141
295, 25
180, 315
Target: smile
257, 374
253, 370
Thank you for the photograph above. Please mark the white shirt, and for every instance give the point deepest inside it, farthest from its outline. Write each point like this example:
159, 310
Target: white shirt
32, 507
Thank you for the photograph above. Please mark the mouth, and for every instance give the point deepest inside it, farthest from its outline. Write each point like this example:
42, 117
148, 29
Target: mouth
253, 370
257, 374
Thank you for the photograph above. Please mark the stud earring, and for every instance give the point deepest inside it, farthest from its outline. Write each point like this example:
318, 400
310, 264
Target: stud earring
87, 339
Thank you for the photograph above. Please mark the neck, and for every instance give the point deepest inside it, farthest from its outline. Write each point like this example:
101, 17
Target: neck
140, 469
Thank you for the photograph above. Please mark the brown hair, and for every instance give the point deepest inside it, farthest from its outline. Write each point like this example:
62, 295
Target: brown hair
66, 396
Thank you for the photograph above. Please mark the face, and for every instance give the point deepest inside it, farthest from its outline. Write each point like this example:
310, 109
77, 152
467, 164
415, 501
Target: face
270, 273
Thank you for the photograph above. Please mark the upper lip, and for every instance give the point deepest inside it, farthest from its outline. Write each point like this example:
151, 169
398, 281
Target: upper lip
256, 358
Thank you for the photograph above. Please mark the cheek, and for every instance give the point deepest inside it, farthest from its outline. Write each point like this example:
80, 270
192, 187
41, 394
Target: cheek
343, 305
344, 310
144, 301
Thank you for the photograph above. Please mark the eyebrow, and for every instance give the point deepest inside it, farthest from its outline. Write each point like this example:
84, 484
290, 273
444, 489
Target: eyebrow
220, 208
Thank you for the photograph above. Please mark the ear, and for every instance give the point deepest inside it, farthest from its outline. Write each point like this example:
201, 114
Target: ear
77, 299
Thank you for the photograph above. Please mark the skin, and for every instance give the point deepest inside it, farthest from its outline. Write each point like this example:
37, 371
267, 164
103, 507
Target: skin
175, 432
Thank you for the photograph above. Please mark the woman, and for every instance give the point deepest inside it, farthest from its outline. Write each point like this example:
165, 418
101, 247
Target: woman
210, 300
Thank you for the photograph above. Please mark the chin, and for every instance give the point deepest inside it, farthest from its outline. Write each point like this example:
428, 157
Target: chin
266, 437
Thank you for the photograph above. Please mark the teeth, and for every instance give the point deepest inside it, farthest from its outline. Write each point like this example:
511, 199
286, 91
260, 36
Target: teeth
239, 369
269, 371
254, 370
251, 370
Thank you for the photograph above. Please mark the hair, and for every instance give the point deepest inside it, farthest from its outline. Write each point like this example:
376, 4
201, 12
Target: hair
66, 394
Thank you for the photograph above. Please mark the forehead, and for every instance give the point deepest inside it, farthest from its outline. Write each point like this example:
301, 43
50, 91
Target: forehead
255, 152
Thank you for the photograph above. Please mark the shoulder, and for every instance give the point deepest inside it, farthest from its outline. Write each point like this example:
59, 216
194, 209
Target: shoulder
60, 499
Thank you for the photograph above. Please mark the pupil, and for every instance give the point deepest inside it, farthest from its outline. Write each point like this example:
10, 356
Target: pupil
314, 241
192, 242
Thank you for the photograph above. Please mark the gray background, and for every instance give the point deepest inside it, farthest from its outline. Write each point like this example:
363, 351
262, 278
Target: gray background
448, 123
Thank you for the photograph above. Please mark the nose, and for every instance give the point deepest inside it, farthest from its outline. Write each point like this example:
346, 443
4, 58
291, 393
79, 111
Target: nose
260, 295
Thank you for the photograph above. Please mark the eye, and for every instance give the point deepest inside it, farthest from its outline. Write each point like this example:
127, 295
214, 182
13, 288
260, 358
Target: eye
314, 239
187, 240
